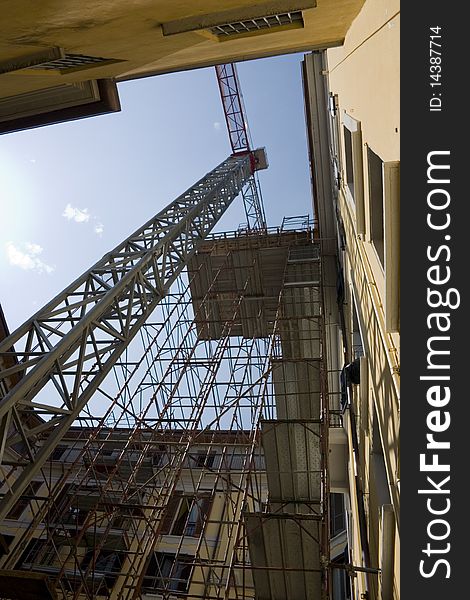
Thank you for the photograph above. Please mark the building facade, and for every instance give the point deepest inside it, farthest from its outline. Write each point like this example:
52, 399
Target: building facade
229, 478
352, 108
247, 445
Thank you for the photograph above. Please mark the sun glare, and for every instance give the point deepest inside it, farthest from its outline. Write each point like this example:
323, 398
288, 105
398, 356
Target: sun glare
16, 200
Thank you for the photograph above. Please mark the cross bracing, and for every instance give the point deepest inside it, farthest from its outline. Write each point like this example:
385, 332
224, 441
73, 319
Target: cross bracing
240, 140
74, 341
201, 454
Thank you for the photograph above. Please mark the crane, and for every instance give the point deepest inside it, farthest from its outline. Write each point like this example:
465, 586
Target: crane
76, 339
240, 141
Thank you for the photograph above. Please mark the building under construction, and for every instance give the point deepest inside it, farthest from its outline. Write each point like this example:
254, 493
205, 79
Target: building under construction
210, 415
166, 419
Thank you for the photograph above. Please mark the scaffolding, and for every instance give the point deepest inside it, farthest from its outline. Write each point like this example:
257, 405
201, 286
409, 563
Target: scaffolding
198, 468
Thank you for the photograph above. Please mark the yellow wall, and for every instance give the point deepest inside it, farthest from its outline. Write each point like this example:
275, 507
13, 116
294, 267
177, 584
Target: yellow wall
364, 73
131, 32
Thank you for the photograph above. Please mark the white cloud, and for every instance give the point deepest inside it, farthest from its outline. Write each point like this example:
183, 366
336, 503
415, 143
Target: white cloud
33, 249
76, 214
217, 126
99, 228
81, 215
26, 258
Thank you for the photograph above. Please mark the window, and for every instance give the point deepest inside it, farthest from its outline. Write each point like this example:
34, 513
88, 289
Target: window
333, 124
5, 542
357, 343
61, 502
341, 588
378, 469
376, 203
168, 572
351, 373
197, 514
384, 223
29, 494
337, 514
37, 552
353, 175
106, 563
128, 518
161, 456
349, 160
391, 177
58, 452
71, 508
74, 516
237, 462
240, 460
103, 471
186, 515
202, 459
107, 451
130, 511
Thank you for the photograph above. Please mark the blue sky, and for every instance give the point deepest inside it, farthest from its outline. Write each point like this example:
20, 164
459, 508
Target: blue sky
73, 191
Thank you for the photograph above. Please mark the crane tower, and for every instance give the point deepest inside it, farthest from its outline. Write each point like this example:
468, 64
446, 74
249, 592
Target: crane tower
238, 132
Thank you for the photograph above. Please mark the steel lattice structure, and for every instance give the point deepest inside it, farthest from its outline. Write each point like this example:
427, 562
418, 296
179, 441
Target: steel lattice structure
233, 109
254, 210
239, 137
67, 348
174, 405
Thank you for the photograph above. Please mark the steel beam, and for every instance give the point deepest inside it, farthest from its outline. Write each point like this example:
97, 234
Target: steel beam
254, 209
233, 109
237, 127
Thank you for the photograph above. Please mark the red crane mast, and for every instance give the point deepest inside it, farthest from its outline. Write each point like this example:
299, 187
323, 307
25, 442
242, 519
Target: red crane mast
239, 137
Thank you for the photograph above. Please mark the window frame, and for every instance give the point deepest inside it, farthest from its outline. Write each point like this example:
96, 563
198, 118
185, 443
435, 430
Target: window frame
337, 514
390, 265
376, 204
334, 144
16, 512
176, 520
165, 572
391, 179
40, 552
353, 163
5, 543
